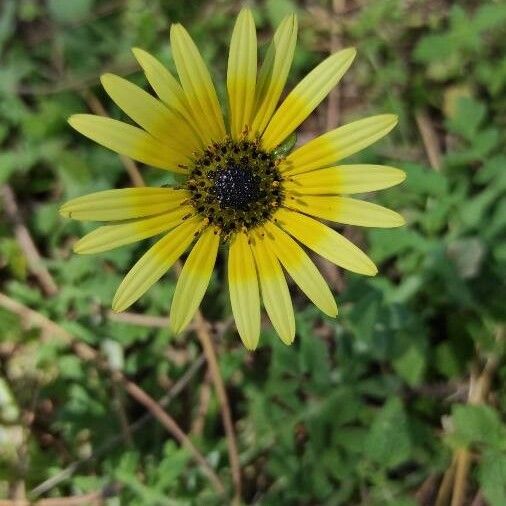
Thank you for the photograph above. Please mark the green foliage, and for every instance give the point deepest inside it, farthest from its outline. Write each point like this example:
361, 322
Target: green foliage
360, 410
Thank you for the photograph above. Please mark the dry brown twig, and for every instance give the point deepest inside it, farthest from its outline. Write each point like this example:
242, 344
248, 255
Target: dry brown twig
141, 320
334, 97
429, 139
455, 479
96, 498
32, 318
26, 243
203, 405
164, 401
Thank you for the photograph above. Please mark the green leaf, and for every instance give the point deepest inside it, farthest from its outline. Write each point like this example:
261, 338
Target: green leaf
411, 365
64, 11
477, 424
468, 117
492, 477
388, 442
278, 9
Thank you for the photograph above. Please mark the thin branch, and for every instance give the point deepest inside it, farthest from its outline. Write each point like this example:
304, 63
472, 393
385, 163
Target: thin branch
164, 401
445, 489
424, 494
429, 139
203, 333
203, 405
479, 500
91, 499
118, 403
334, 97
26, 243
457, 473
87, 353
142, 320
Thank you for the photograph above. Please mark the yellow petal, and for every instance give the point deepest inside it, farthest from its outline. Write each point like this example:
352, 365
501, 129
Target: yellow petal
162, 81
194, 279
196, 82
151, 114
124, 204
346, 210
110, 237
325, 241
243, 287
154, 264
338, 144
242, 71
275, 294
306, 96
168, 89
128, 140
301, 269
273, 73
345, 179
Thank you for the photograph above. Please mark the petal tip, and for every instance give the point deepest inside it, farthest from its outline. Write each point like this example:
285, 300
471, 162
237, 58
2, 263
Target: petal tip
392, 119
76, 120
372, 271
401, 221
73, 120
175, 329
141, 56
332, 311
118, 305
288, 339
351, 52
63, 211
107, 80
175, 28
77, 248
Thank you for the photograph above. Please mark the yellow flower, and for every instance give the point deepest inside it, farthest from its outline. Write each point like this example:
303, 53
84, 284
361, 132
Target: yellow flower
238, 190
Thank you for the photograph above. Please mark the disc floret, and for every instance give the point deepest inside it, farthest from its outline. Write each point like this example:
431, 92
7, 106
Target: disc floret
235, 185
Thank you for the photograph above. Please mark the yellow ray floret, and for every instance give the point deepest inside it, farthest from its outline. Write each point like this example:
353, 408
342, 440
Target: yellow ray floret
243, 287
162, 81
326, 242
273, 73
124, 204
196, 81
346, 210
110, 237
300, 268
128, 140
275, 294
338, 144
154, 264
241, 74
345, 179
168, 90
306, 96
194, 279
151, 114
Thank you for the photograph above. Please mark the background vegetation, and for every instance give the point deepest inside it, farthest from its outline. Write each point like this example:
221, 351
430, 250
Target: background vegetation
399, 401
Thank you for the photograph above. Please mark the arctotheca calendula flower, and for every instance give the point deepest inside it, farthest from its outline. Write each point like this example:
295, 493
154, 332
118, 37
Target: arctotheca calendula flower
239, 190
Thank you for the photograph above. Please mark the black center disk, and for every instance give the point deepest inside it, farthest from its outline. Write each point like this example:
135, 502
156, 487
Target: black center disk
235, 185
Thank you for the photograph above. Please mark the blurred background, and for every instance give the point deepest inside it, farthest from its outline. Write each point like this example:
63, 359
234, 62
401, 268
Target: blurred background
400, 401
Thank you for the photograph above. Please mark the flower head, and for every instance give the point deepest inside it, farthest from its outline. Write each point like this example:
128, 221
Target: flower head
238, 190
